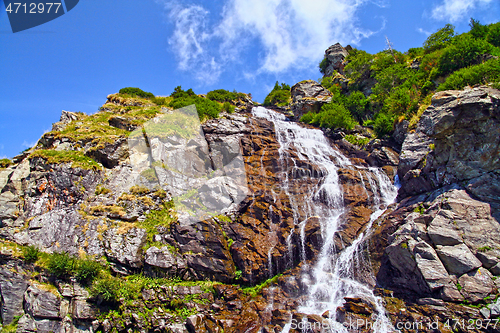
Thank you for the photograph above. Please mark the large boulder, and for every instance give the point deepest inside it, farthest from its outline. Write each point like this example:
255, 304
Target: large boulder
308, 96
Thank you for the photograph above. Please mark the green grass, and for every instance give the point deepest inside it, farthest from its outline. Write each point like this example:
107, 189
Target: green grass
12, 327
356, 140
164, 218
76, 158
485, 248
31, 253
5, 162
100, 189
255, 290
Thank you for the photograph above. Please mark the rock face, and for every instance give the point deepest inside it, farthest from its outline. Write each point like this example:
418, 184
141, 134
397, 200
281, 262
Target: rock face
308, 96
443, 238
439, 246
456, 140
335, 56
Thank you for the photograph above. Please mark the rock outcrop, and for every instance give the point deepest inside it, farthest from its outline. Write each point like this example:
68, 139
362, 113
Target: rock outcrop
308, 96
456, 141
335, 59
442, 240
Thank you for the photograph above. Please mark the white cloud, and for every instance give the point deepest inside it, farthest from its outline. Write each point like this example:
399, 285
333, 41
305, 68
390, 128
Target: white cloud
27, 144
291, 33
425, 32
455, 10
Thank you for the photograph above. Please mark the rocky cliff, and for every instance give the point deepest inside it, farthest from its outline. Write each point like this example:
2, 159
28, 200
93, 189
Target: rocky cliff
99, 189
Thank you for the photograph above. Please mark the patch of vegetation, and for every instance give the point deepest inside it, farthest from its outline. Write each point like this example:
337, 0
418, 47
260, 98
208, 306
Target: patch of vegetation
61, 264
206, 108
255, 290
228, 107
323, 65
139, 190
224, 218
150, 175
439, 39
222, 95
100, 189
76, 158
279, 96
332, 116
86, 270
470, 76
402, 84
161, 100
5, 163
112, 209
156, 218
136, 92
463, 52
485, 248
419, 209
355, 140
31, 253
12, 327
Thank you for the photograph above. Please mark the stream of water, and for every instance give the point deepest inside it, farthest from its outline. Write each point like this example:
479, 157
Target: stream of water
332, 277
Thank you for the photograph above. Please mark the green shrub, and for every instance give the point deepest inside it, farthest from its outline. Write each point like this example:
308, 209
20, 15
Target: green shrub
31, 253
308, 117
487, 72
280, 95
206, 108
334, 116
464, 51
5, 162
359, 62
493, 36
439, 39
228, 107
323, 65
180, 93
86, 270
222, 95
477, 30
386, 59
402, 100
356, 103
61, 264
107, 288
136, 92
384, 124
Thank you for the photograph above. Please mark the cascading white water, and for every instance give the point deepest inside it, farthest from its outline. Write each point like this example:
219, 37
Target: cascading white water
333, 275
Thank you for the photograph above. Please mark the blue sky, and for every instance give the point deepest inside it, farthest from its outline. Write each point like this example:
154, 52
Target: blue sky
73, 62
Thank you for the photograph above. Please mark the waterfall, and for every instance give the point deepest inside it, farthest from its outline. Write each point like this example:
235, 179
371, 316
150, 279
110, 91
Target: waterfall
333, 274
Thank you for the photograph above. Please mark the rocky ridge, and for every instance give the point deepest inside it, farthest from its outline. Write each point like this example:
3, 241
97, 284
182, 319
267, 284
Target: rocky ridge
432, 253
